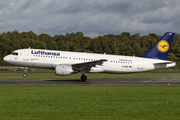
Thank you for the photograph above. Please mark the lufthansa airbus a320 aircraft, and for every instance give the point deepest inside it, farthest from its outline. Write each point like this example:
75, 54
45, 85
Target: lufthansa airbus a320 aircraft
65, 63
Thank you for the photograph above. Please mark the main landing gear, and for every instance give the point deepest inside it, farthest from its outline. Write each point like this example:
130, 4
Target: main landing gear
83, 77
25, 72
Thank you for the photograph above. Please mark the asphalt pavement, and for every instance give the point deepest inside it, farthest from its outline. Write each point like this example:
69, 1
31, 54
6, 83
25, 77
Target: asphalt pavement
90, 82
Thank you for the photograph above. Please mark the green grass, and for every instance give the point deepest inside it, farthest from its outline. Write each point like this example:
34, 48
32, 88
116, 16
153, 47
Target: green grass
50, 74
89, 102
17, 75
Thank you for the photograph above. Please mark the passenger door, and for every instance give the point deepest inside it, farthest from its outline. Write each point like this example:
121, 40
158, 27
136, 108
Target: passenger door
140, 64
26, 55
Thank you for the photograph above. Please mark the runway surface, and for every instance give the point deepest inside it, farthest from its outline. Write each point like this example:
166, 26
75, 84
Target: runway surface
89, 82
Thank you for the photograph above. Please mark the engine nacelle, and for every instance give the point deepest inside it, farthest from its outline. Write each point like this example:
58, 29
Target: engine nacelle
63, 70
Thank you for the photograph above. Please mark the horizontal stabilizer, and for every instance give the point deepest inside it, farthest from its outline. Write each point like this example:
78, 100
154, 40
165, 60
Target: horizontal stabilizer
165, 64
168, 62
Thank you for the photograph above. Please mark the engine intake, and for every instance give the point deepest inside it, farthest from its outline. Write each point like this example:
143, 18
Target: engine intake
63, 70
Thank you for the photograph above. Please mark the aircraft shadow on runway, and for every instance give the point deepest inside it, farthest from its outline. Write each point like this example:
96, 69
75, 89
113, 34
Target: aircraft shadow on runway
68, 80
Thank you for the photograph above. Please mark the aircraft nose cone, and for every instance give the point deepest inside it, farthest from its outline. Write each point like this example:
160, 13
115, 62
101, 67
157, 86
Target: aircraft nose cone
5, 59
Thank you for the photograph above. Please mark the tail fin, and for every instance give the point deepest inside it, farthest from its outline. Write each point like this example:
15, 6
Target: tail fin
161, 49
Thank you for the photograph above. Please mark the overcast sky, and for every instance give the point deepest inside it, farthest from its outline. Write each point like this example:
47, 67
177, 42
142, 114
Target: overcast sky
92, 17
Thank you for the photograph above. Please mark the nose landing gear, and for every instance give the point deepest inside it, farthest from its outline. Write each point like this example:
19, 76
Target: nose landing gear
24, 75
25, 72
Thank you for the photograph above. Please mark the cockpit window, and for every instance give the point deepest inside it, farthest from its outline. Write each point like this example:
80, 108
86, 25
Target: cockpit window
14, 53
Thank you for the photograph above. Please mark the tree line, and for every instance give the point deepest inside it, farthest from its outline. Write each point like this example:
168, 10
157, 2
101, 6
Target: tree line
122, 44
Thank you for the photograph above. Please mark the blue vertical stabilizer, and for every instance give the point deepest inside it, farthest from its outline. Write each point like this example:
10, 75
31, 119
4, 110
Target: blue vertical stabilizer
161, 49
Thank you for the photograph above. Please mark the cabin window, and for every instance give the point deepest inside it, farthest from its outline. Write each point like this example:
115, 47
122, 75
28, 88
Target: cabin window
14, 53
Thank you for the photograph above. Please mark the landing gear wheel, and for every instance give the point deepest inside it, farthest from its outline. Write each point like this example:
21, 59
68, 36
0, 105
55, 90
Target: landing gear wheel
25, 75
25, 72
83, 78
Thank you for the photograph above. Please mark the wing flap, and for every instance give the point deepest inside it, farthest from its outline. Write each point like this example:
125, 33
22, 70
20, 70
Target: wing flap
87, 65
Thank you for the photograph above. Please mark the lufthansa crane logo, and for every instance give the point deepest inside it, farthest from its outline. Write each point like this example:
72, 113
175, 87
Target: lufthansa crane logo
163, 46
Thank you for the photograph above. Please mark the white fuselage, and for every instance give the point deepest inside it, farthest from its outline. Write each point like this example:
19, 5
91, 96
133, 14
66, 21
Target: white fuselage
49, 59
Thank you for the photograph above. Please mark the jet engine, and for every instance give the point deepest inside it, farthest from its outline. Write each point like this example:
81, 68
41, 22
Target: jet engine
63, 70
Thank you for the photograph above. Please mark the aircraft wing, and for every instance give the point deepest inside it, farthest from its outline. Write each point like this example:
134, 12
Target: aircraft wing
87, 65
